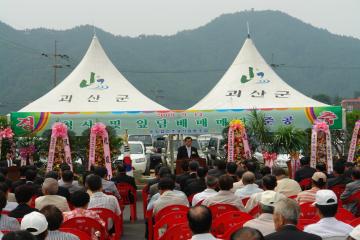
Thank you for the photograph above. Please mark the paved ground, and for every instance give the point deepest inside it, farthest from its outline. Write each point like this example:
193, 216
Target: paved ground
134, 230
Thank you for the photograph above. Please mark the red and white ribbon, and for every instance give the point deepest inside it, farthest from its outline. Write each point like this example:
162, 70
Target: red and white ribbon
59, 130
353, 142
99, 129
231, 141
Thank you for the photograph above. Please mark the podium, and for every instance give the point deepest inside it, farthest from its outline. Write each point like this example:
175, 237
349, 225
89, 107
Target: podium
13, 173
179, 162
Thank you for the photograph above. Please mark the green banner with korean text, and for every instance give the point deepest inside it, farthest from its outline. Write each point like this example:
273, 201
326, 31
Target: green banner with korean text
172, 122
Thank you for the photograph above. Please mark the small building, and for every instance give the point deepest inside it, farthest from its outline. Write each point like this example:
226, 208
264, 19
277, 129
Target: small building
351, 104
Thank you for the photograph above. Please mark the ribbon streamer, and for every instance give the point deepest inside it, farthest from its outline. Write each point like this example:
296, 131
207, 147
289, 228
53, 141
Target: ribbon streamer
353, 142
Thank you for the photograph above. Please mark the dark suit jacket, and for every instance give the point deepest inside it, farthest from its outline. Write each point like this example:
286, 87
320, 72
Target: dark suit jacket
339, 180
350, 189
183, 154
184, 180
194, 186
124, 179
21, 210
216, 172
291, 232
64, 192
304, 172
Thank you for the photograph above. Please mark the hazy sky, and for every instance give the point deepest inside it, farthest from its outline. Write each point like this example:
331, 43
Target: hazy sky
165, 17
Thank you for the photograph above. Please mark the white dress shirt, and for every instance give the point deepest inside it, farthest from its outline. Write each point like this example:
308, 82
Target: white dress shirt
169, 198
203, 236
224, 197
202, 196
188, 149
264, 223
157, 195
248, 190
329, 227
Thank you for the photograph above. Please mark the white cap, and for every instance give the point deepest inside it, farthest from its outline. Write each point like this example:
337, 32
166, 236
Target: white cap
325, 197
34, 222
355, 233
269, 198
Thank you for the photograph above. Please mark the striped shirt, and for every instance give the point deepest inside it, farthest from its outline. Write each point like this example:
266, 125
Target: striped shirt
101, 200
58, 235
307, 196
9, 223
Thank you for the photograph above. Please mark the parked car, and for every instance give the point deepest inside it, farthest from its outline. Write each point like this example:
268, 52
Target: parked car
137, 155
215, 149
146, 139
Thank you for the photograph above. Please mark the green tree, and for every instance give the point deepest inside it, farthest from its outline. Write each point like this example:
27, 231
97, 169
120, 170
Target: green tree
322, 98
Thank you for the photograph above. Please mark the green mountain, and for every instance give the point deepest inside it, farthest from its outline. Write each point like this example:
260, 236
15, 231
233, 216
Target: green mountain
179, 70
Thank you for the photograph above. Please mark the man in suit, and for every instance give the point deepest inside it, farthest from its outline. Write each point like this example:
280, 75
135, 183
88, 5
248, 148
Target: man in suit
286, 215
9, 161
187, 151
352, 188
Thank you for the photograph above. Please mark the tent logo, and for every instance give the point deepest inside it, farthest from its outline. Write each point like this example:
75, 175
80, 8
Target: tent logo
95, 83
251, 76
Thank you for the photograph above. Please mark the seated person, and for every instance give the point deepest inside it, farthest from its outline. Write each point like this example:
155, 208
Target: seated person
50, 188
168, 196
18, 235
69, 183
23, 195
350, 189
122, 177
200, 220
318, 182
249, 188
9, 205
340, 178
64, 192
36, 224
196, 185
265, 222
285, 185
247, 233
305, 170
80, 200
231, 168
224, 195
107, 186
6, 222
328, 226
212, 184
54, 217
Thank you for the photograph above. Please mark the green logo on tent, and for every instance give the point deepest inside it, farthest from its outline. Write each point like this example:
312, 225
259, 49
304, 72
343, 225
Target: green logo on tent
259, 75
245, 79
94, 83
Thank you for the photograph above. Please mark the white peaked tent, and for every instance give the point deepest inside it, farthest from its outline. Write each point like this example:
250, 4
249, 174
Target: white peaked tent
95, 85
251, 83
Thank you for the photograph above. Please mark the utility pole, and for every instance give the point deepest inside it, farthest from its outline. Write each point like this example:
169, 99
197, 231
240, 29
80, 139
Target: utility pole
57, 65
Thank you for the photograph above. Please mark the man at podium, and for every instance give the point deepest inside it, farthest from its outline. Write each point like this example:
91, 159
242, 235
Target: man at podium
187, 151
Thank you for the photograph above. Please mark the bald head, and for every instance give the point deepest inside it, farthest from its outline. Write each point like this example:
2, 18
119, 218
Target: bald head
248, 178
50, 186
200, 219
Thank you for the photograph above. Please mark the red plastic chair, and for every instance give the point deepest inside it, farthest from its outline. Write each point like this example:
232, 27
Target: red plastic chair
255, 211
124, 190
149, 217
218, 209
145, 196
223, 223
168, 221
177, 232
190, 198
106, 214
245, 200
231, 230
305, 184
80, 234
32, 203
302, 222
5, 212
170, 209
86, 224
338, 190
355, 222
307, 211
344, 215
199, 203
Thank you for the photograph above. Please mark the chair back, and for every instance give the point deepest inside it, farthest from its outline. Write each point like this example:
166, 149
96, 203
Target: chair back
355, 222
231, 230
307, 211
190, 198
170, 209
199, 203
338, 190
305, 184
80, 234
168, 221
344, 215
125, 189
177, 232
218, 209
223, 223
293, 196
86, 224
245, 200
106, 215
255, 211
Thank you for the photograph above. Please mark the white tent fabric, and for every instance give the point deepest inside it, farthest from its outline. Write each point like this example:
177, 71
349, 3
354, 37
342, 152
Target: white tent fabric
251, 83
95, 85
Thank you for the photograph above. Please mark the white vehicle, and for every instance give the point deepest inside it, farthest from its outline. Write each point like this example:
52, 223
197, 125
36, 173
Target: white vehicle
137, 155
